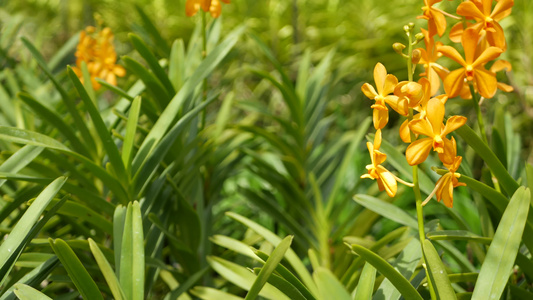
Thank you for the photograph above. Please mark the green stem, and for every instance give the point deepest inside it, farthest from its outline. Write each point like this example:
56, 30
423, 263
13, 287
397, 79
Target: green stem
416, 184
204, 55
481, 124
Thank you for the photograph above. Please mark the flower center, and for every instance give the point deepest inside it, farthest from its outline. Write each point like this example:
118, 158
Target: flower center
469, 73
438, 144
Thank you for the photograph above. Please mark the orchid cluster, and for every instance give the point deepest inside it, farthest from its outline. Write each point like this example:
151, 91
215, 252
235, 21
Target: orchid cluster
212, 6
96, 49
483, 41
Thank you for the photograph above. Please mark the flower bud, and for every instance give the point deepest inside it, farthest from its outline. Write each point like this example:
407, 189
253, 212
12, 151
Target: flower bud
419, 36
416, 56
398, 47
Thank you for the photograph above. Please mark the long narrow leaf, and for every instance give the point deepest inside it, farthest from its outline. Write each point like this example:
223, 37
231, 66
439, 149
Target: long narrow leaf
269, 267
75, 269
501, 255
402, 284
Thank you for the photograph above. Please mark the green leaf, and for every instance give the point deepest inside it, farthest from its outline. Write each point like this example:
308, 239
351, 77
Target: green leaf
152, 61
387, 210
75, 269
234, 245
289, 277
492, 161
149, 26
188, 284
57, 121
104, 134
27, 137
208, 293
119, 219
131, 128
329, 286
156, 157
382, 266
365, 287
107, 270
171, 112
34, 277
462, 235
25, 292
17, 239
291, 256
69, 103
153, 85
132, 254
19, 160
498, 264
241, 277
269, 267
176, 65
437, 273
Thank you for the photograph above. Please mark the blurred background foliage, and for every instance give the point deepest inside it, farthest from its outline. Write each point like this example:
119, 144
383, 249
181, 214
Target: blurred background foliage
244, 168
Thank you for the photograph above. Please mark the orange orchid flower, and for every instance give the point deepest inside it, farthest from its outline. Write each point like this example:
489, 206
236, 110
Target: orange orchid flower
486, 19
385, 84
212, 6
428, 58
99, 55
435, 17
473, 69
444, 186
501, 65
405, 132
386, 181
432, 127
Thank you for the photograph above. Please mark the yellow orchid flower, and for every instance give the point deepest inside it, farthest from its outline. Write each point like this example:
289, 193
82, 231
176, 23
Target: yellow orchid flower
385, 84
386, 180
212, 6
434, 72
432, 127
444, 186
435, 17
473, 69
99, 55
487, 20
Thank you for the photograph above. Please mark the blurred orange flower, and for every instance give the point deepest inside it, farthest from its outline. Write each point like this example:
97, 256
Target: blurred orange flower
99, 55
473, 69
487, 20
212, 6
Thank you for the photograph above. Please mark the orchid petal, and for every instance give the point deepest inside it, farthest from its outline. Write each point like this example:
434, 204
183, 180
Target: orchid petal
388, 181
435, 115
418, 151
380, 74
453, 123
486, 82
369, 91
469, 9
422, 127
502, 9
453, 54
489, 54
454, 82
380, 118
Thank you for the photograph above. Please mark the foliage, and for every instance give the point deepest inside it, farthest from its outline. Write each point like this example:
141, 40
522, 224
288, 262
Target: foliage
226, 164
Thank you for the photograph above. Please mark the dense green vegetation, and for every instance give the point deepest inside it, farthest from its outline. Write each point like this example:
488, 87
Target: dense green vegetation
238, 174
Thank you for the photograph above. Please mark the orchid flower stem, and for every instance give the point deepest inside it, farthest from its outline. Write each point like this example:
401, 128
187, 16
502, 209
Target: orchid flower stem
204, 55
481, 124
416, 185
